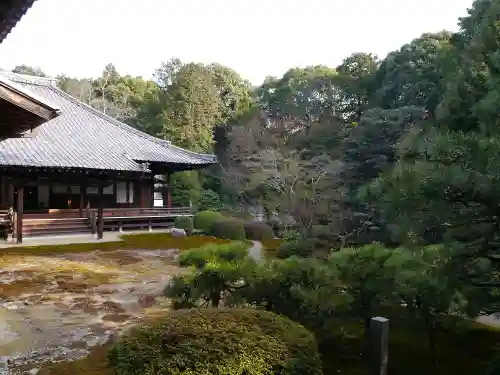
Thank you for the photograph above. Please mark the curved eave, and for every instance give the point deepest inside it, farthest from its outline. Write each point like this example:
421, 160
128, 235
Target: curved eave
10, 14
17, 95
158, 167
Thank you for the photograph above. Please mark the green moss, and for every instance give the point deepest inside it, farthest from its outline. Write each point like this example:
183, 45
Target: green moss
218, 341
132, 241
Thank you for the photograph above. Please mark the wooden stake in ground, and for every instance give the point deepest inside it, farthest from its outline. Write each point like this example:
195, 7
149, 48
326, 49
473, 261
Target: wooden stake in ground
379, 340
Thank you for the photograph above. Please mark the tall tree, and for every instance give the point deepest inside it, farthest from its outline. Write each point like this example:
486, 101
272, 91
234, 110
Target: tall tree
473, 95
26, 69
413, 75
356, 77
303, 94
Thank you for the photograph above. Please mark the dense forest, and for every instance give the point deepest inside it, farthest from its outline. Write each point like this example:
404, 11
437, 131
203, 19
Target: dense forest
392, 162
401, 150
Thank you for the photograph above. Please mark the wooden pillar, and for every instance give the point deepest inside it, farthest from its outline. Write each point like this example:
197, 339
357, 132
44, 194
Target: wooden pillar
100, 211
50, 195
10, 195
115, 193
152, 192
82, 195
168, 191
127, 191
19, 214
141, 193
3, 193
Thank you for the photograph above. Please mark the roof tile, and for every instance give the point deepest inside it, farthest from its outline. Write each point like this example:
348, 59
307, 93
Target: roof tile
82, 137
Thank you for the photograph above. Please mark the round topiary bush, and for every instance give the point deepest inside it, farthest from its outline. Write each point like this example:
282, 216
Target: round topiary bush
186, 223
218, 341
258, 231
204, 220
230, 229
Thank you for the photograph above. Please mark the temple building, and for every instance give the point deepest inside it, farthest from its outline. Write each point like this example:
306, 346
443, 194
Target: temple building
67, 168
69, 158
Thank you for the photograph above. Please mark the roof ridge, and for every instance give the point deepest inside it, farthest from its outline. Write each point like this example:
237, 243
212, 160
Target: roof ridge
27, 78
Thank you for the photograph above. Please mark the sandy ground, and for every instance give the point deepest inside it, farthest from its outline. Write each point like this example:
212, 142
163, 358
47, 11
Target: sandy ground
59, 307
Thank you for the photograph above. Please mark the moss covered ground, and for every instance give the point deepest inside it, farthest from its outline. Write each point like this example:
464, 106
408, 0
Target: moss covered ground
464, 347
146, 241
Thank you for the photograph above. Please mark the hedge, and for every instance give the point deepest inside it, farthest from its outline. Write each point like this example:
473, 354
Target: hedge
258, 231
230, 229
186, 223
204, 220
218, 341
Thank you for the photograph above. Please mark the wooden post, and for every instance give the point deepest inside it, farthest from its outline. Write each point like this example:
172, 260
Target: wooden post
164, 192
141, 194
82, 190
169, 191
115, 192
152, 192
3, 202
100, 211
10, 195
379, 340
127, 191
19, 216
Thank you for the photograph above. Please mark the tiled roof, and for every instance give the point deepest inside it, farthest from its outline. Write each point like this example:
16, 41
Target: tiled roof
83, 137
11, 12
4, 81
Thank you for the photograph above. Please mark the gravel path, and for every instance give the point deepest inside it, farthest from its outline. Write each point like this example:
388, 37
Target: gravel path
255, 251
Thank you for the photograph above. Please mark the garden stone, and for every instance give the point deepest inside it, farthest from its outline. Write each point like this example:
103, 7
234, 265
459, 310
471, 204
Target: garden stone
176, 232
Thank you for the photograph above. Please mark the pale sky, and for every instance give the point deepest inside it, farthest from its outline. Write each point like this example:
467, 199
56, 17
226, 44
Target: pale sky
257, 38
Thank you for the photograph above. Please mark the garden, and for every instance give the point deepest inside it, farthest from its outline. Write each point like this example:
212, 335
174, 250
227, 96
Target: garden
200, 304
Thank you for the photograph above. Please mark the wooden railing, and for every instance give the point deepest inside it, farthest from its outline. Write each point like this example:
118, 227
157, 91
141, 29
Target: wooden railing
6, 223
141, 218
146, 212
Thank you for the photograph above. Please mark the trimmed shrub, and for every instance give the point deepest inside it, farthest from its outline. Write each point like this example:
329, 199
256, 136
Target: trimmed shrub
218, 341
294, 244
258, 231
204, 220
230, 229
186, 223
